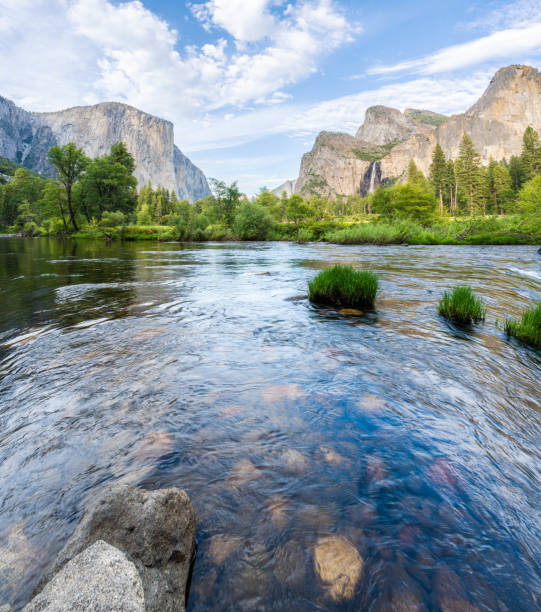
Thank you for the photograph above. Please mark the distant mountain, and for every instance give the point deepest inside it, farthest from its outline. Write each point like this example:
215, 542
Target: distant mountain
26, 137
382, 148
288, 187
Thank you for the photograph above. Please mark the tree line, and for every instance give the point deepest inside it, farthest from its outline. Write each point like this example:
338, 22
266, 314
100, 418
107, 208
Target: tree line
102, 192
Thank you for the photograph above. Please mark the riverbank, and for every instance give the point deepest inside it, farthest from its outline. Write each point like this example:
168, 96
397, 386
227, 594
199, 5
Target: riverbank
486, 230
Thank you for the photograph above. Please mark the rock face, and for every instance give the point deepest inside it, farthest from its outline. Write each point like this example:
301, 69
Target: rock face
99, 579
27, 137
386, 142
154, 529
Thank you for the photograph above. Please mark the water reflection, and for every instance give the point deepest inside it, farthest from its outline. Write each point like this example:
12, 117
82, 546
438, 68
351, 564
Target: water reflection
304, 436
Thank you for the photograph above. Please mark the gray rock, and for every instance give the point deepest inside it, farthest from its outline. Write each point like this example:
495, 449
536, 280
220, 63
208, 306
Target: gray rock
5, 608
26, 138
156, 531
99, 579
342, 164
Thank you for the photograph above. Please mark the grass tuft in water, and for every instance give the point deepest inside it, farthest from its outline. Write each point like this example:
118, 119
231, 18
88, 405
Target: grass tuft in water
462, 306
344, 286
528, 329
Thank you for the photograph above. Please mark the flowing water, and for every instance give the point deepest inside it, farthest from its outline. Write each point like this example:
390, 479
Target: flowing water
205, 367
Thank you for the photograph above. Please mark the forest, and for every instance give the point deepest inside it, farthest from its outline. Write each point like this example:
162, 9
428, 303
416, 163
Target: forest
461, 201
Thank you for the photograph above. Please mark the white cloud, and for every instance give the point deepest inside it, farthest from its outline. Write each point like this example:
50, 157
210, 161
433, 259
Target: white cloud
69, 51
503, 44
245, 20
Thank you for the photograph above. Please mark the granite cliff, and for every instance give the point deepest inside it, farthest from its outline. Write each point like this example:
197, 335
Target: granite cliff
380, 151
26, 137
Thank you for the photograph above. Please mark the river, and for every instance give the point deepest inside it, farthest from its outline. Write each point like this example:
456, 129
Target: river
206, 368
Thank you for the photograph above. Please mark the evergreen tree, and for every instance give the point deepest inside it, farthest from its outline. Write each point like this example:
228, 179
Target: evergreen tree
452, 186
415, 176
530, 158
438, 174
467, 169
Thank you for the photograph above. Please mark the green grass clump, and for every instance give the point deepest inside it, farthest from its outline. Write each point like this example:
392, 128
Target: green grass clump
462, 306
344, 286
528, 329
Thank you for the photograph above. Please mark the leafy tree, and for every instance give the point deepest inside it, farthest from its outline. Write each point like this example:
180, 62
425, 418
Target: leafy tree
52, 202
227, 198
108, 183
297, 209
438, 173
252, 222
70, 163
467, 169
409, 201
529, 197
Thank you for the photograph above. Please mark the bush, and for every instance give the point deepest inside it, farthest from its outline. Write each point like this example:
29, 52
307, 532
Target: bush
252, 222
344, 286
462, 306
528, 329
113, 218
304, 235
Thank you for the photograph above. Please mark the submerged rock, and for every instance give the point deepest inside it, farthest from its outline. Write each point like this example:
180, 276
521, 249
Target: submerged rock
289, 563
156, 531
222, 546
339, 566
372, 403
295, 461
243, 472
442, 473
331, 456
350, 312
99, 579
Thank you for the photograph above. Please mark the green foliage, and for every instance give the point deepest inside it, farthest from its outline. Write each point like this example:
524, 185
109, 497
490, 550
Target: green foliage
412, 201
530, 159
528, 329
252, 222
429, 118
70, 163
108, 184
462, 306
374, 153
344, 286
298, 209
529, 197
467, 169
113, 218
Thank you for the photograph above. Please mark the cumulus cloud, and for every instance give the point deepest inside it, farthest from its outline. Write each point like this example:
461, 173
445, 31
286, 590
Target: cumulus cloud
245, 20
97, 49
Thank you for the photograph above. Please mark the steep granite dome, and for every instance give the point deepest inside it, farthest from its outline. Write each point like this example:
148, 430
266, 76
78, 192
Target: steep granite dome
26, 138
389, 139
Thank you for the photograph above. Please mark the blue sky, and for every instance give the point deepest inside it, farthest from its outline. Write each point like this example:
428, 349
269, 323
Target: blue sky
250, 83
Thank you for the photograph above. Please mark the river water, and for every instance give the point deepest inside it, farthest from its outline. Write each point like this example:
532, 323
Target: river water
205, 367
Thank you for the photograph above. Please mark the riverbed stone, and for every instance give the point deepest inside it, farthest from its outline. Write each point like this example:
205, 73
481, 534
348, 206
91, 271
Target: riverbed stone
295, 461
99, 579
339, 566
289, 564
222, 546
156, 531
243, 472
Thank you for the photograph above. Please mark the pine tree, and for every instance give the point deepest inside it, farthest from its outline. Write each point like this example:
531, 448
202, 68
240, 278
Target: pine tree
438, 173
530, 158
452, 185
415, 176
467, 168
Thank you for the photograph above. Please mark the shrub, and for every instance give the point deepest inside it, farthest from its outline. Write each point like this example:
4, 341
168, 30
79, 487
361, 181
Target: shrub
462, 306
113, 218
304, 235
344, 286
528, 329
252, 222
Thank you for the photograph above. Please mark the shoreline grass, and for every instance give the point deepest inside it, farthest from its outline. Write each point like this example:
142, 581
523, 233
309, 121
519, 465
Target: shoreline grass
528, 329
462, 306
344, 286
